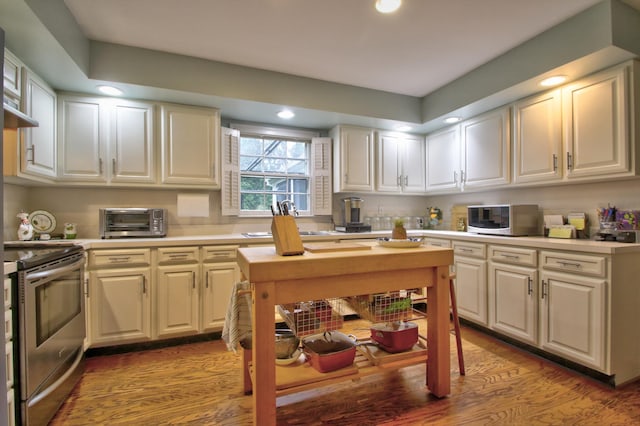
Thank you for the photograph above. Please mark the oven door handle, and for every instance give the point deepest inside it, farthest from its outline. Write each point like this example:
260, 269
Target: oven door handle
53, 273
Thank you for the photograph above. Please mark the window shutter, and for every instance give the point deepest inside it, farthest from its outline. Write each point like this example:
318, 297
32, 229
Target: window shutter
230, 193
321, 176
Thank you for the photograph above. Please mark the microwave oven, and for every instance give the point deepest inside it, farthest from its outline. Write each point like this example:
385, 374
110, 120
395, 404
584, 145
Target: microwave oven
503, 219
133, 222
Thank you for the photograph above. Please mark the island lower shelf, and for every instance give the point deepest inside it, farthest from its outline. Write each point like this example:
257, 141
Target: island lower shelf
300, 375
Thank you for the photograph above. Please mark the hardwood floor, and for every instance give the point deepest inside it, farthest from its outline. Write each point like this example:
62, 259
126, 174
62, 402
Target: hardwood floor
201, 384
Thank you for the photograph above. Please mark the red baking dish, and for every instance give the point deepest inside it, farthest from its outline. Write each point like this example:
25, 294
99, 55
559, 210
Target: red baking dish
398, 336
329, 351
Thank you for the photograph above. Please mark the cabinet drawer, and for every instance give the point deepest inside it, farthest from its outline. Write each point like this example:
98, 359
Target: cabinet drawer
8, 325
8, 355
7, 293
574, 263
469, 249
219, 253
513, 255
129, 257
178, 254
437, 242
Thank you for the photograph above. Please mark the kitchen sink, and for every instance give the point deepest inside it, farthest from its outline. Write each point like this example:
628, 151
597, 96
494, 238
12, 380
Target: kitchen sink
268, 234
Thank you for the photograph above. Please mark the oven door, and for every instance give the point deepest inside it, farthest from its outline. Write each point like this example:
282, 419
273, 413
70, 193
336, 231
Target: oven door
52, 324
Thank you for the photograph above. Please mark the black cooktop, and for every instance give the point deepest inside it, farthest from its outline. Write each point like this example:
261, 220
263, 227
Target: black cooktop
29, 255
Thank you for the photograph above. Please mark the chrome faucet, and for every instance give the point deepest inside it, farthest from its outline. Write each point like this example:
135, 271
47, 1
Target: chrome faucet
290, 207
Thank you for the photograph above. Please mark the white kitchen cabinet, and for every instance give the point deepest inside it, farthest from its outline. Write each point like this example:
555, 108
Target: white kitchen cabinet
353, 159
190, 146
119, 308
470, 266
400, 163
12, 79
485, 150
178, 275
537, 138
81, 138
131, 142
473, 154
573, 307
512, 281
443, 160
106, 140
220, 274
38, 153
597, 124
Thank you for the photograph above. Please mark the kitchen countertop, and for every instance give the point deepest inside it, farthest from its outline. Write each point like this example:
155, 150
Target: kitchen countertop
538, 242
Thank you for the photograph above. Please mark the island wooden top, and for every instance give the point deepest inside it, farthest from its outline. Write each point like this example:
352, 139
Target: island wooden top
262, 264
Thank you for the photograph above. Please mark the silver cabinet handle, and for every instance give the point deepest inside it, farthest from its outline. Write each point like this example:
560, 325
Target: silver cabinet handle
544, 289
100, 166
119, 259
193, 276
32, 148
406, 180
529, 286
574, 264
555, 163
144, 284
113, 166
569, 161
455, 178
510, 256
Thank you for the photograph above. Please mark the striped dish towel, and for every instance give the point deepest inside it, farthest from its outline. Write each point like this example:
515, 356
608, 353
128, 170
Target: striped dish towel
237, 321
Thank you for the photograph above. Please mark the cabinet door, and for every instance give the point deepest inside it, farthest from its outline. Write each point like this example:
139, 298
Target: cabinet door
218, 285
413, 165
12, 79
81, 139
190, 146
485, 149
120, 305
353, 147
38, 152
573, 313
512, 301
471, 288
131, 142
177, 302
538, 138
443, 160
596, 127
388, 164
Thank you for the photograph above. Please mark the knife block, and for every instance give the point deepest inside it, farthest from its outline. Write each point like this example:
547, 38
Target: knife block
286, 236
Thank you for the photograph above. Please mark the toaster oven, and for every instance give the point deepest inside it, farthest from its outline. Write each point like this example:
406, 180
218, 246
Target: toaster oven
133, 222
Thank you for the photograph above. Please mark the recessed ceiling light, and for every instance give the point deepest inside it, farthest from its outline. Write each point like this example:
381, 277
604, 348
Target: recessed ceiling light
403, 128
387, 6
110, 90
452, 119
554, 80
286, 114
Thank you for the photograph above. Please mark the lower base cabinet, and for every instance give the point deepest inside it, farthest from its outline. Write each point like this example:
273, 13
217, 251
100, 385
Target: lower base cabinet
120, 305
218, 282
471, 280
177, 301
572, 313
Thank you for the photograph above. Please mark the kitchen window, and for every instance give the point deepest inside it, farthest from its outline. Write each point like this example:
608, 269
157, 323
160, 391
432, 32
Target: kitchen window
262, 165
273, 169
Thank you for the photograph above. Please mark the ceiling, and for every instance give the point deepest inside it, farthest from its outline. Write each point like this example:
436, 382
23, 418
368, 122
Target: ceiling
412, 53
423, 46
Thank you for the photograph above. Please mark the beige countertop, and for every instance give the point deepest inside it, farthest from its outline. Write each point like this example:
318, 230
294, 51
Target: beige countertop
587, 246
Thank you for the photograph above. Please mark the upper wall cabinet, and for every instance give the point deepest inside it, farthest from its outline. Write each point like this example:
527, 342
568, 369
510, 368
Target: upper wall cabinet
473, 154
106, 140
190, 146
584, 131
400, 163
597, 124
352, 159
537, 139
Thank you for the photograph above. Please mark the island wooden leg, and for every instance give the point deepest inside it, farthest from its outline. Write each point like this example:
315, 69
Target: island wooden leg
438, 361
264, 354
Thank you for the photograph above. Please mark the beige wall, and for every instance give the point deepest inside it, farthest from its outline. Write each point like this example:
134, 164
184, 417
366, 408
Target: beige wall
80, 205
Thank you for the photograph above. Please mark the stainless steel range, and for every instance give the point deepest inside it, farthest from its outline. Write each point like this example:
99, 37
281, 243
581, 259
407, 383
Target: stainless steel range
50, 325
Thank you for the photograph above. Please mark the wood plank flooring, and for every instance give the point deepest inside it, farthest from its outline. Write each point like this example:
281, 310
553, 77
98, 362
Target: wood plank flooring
201, 384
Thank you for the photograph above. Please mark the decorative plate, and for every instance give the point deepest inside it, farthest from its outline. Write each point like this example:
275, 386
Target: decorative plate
408, 243
43, 222
287, 361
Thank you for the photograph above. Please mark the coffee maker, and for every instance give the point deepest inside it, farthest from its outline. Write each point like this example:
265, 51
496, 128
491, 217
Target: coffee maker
351, 209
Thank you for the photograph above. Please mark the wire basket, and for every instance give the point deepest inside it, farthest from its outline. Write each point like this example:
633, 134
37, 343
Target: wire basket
312, 317
384, 307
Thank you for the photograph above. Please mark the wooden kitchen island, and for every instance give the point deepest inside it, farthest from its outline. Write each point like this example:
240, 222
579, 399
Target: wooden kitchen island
313, 276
